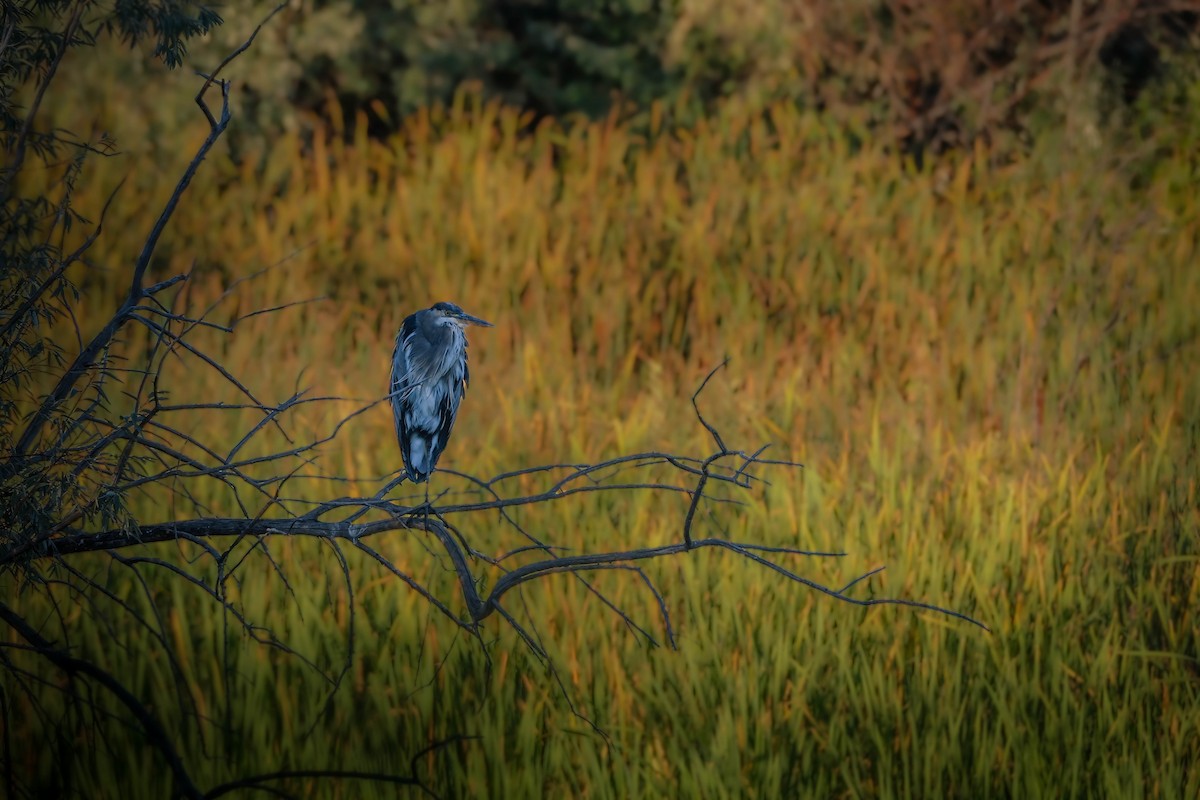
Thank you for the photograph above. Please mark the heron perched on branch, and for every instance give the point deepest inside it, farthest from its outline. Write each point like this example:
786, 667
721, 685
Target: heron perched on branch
429, 378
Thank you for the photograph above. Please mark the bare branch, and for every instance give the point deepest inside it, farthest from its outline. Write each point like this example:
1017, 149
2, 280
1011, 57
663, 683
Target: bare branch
257, 781
713, 431
155, 734
243, 47
87, 357
479, 608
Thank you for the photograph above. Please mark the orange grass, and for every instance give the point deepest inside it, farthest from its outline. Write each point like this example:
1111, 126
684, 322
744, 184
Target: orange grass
985, 369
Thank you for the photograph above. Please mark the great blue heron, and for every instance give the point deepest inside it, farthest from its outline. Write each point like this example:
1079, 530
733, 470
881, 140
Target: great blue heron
429, 378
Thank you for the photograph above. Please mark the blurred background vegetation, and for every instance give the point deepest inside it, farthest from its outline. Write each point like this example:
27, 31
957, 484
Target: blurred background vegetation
924, 76
950, 248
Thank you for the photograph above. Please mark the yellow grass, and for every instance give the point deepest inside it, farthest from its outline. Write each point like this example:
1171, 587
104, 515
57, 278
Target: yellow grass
987, 369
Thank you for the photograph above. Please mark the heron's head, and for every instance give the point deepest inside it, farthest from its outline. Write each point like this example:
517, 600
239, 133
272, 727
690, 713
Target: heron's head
457, 316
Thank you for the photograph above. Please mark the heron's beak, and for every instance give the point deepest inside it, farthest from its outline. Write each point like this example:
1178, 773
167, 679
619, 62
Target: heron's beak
470, 320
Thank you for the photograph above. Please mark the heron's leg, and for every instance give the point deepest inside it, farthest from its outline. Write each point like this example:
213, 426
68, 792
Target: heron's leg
425, 508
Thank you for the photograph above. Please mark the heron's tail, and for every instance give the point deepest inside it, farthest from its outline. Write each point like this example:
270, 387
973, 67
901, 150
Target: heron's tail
418, 456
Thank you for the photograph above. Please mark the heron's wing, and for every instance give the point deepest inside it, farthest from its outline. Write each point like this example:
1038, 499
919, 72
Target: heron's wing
401, 386
444, 397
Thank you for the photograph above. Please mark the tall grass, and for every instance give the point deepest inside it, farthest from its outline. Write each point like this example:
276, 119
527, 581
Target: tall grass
987, 370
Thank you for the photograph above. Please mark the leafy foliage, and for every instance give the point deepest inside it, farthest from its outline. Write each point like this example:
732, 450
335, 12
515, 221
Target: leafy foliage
170, 23
926, 76
59, 463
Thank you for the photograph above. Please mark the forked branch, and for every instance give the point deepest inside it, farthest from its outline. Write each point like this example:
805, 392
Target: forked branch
688, 476
86, 360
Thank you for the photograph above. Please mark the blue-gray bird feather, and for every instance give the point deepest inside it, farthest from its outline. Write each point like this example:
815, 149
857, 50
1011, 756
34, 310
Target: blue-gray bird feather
429, 379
